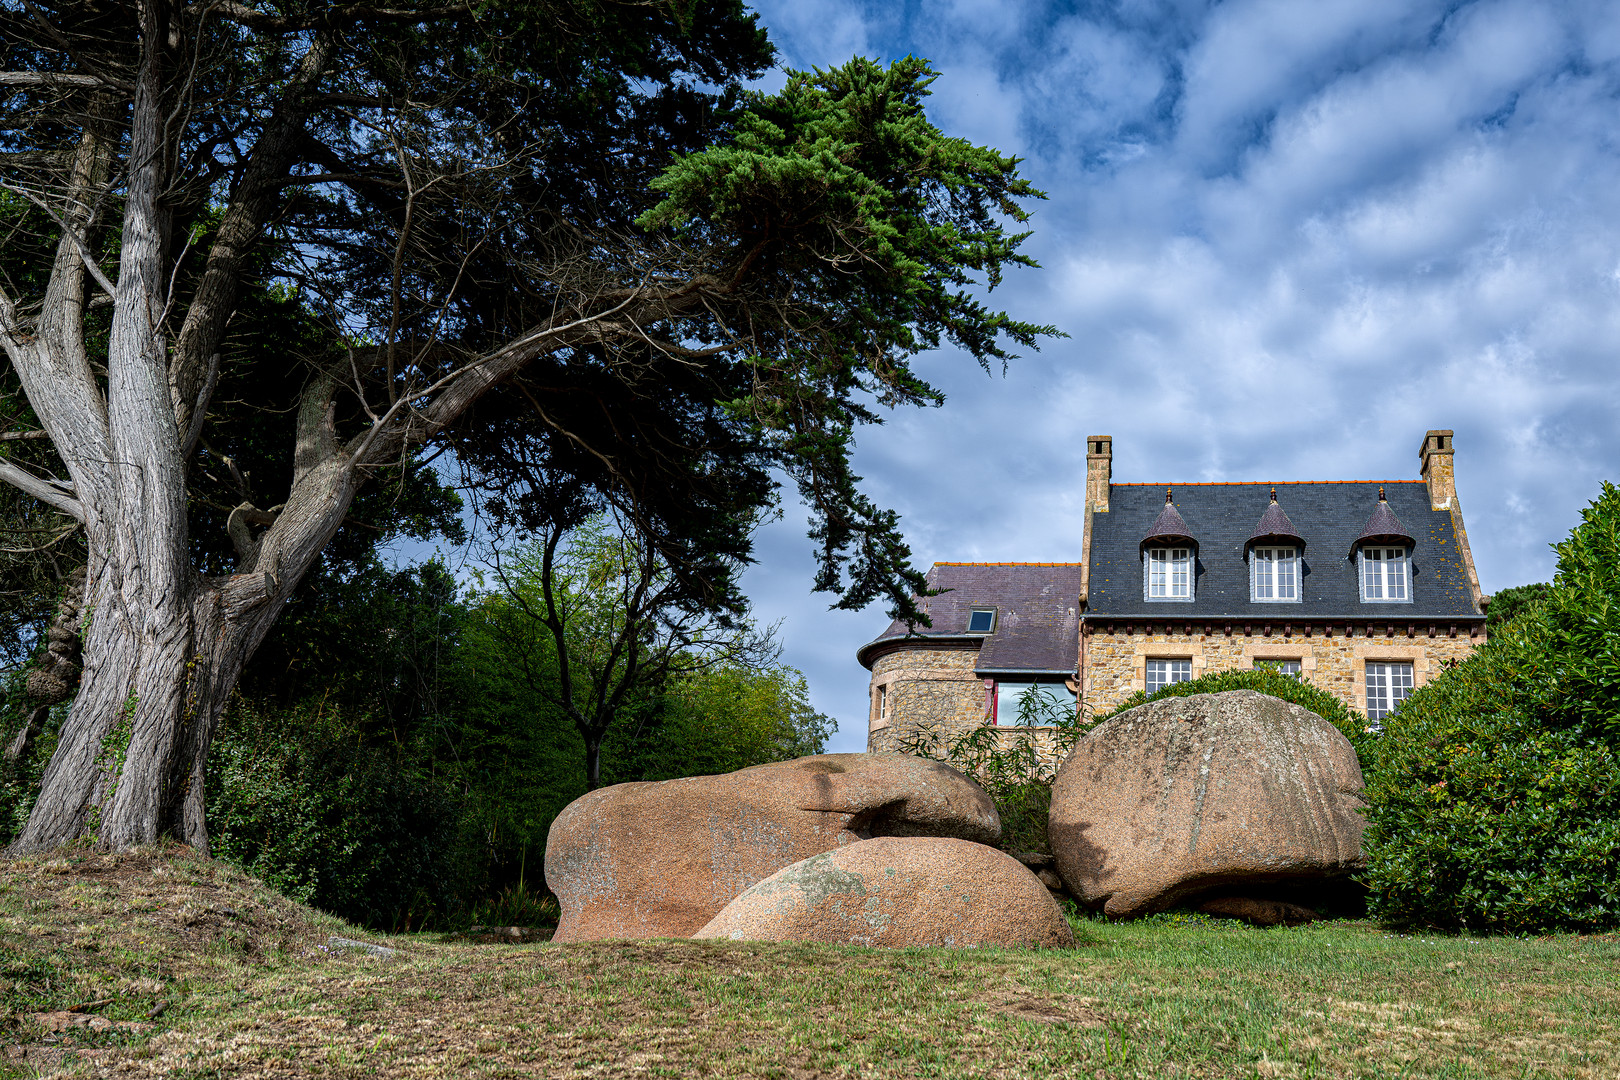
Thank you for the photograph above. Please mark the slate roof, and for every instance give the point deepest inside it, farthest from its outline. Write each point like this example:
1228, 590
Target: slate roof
1329, 516
1384, 525
1037, 614
1168, 526
1274, 525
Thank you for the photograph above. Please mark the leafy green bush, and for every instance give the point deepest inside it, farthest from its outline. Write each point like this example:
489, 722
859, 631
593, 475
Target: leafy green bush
1495, 805
1010, 763
1508, 604
297, 800
1268, 680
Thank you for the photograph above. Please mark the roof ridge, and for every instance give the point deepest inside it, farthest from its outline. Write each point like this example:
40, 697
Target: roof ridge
1261, 483
1009, 564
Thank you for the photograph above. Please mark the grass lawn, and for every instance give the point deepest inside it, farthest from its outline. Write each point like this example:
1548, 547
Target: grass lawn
189, 969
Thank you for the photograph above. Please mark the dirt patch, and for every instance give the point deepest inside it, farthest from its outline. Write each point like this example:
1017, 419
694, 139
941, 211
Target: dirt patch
1060, 1009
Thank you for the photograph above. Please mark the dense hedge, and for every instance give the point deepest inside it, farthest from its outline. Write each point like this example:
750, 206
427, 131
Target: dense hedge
1495, 804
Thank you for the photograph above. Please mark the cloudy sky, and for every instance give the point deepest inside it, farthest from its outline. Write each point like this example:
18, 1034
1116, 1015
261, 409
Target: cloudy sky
1285, 239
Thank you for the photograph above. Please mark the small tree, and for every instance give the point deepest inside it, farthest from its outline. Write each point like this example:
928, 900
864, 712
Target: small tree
597, 624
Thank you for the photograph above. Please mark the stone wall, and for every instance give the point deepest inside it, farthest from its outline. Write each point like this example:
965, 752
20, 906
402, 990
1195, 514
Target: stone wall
929, 687
1116, 662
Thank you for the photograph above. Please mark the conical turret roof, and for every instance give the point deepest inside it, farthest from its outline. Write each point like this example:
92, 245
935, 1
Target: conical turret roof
1274, 525
1168, 527
1383, 527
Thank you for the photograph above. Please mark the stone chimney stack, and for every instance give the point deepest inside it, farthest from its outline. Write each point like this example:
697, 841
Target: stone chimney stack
1436, 454
1100, 471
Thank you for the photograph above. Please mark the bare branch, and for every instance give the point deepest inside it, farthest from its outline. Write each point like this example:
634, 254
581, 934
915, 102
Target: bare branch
8, 436
90, 263
258, 20
51, 78
43, 490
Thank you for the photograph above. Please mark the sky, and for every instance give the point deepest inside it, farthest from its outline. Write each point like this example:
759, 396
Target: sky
1284, 239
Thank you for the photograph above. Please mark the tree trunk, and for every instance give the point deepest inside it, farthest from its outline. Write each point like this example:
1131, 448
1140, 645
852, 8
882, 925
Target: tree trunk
593, 762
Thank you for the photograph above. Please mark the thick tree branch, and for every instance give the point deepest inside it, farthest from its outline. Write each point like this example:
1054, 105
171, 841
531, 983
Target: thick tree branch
333, 17
51, 78
43, 490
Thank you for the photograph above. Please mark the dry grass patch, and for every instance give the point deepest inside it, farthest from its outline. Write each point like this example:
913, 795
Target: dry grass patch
249, 991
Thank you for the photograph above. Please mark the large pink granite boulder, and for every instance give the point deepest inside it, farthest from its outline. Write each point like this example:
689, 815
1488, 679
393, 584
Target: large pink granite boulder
896, 892
1211, 793
661, 859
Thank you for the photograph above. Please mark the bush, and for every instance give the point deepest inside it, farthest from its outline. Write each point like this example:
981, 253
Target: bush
297, 800
1268, 680
1495, 805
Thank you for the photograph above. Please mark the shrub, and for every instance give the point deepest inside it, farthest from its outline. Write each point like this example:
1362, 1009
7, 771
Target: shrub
297, 800
1010, 764
1495, 805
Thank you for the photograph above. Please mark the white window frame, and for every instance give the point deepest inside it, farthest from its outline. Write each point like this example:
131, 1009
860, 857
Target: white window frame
982, 611
1176, 570
883, 702
1383, 570
1389, 682
1173, 669
1268, 567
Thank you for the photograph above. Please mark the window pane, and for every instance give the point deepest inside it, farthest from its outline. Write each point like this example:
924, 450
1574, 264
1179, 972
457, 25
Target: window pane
1180, 671
1285, 573
1262, 573
1036, 704
1395, 574
1180, 572
1377, 692
1157, 675
1287, 667
981, 622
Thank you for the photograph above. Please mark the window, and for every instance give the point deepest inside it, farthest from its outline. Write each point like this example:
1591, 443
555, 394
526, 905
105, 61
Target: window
1387, 686
1161, 673
1383, 576
982, 621
1032, 704
1169, 573
1274, 575
882, 703
1287, 667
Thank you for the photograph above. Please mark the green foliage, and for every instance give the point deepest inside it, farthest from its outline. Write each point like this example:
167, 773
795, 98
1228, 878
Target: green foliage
1495, 805
853, 232
1268, 680
297, 799
522, 904
1507, 604
722, 719
1010, 764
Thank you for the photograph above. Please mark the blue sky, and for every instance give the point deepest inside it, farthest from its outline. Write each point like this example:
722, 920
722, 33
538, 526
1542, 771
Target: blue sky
1285, 239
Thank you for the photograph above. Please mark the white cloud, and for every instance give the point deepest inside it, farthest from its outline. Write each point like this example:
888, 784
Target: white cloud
1286, 240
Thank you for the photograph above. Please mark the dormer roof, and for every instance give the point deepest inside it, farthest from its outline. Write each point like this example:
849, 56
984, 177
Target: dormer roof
1383, 527
1168, 527
1274, 527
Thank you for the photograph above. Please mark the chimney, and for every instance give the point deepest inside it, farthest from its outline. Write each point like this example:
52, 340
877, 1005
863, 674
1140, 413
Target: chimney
1100, 471
1436, 455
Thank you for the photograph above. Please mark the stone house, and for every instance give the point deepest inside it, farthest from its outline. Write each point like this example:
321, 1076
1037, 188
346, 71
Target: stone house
1363, 588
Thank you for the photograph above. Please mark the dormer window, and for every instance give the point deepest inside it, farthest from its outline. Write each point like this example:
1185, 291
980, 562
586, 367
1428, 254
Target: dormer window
1275, 567
1383, 554
982, 621
1169, 555
1169, 573
1385, 575
1274, 575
